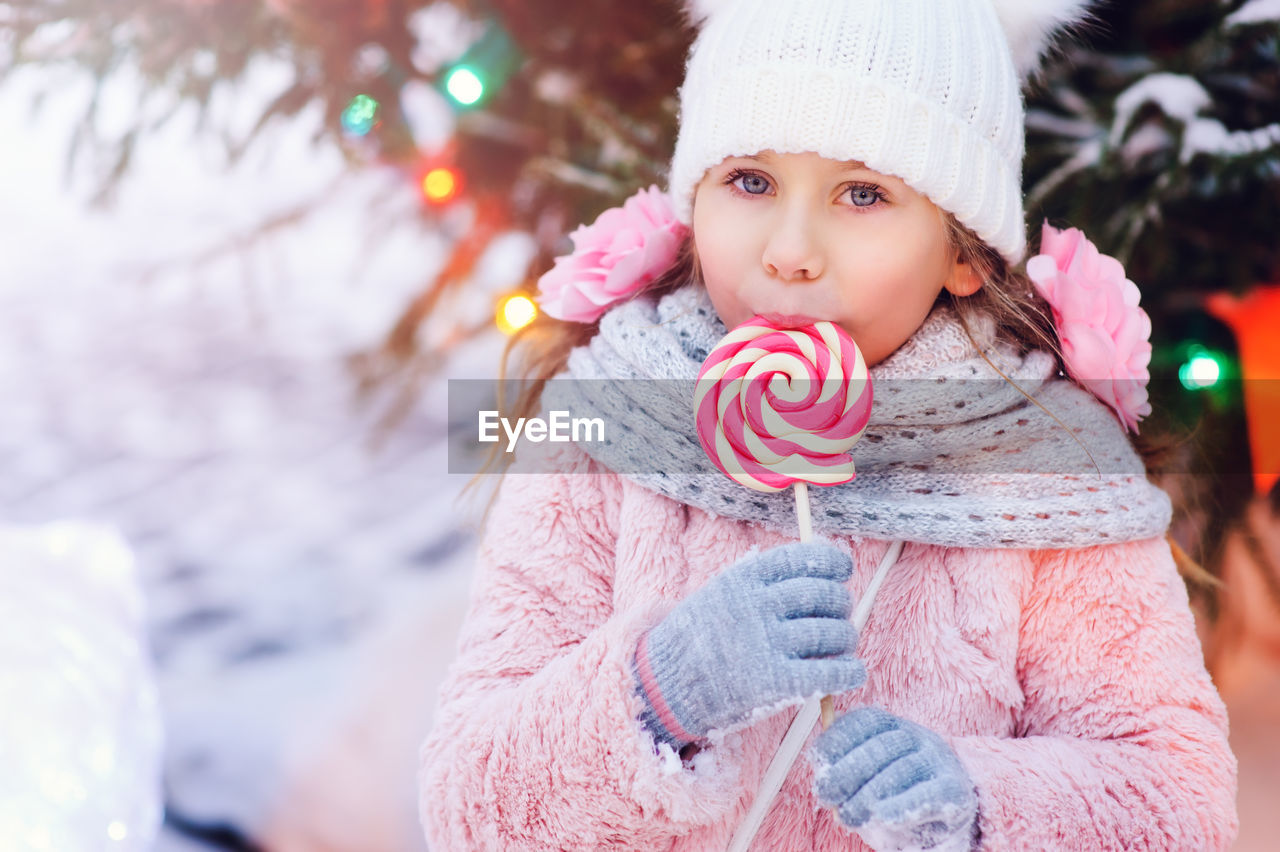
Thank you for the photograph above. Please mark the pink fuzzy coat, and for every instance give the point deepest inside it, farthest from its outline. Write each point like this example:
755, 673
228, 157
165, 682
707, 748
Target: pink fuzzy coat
1070, 684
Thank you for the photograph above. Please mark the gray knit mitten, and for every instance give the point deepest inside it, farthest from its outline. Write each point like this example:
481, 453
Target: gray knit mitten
770, 631
898, 784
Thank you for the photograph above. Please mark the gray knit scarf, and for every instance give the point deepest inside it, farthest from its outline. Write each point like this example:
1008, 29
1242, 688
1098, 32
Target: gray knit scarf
954, 455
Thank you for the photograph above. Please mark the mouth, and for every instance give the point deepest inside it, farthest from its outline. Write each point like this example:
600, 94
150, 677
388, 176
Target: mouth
788, 320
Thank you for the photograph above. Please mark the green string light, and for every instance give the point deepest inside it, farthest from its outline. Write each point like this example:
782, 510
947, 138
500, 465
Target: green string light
360, 115
464, 85
482, 70
1201, 370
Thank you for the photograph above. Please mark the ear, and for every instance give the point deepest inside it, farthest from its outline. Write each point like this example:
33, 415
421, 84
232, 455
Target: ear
963, 280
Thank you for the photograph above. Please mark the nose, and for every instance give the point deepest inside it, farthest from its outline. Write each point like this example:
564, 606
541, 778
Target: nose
793, 249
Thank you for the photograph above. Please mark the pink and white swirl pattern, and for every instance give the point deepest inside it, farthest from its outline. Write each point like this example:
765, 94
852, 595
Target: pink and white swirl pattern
779, 406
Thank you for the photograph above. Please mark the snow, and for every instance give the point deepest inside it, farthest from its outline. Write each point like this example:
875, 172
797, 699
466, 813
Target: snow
1177, 95
1183, 98
81, 750
171, 373
1255, 12
1210, 136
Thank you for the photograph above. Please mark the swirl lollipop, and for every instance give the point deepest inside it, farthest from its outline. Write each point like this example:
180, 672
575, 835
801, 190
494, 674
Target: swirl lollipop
776, 408
783, 407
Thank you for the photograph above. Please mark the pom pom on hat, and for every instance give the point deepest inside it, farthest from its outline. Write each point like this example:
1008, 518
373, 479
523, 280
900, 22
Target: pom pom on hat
1031, 26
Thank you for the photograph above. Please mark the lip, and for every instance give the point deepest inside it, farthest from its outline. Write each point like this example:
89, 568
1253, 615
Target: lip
789, 320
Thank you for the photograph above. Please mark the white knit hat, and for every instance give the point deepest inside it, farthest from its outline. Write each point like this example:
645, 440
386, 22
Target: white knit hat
925, 90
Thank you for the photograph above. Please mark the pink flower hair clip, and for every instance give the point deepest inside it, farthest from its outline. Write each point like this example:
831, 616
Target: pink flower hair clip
613, 258
1106, 337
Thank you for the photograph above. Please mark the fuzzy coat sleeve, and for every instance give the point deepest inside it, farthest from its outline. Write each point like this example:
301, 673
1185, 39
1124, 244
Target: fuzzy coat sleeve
536, 743
1122, 740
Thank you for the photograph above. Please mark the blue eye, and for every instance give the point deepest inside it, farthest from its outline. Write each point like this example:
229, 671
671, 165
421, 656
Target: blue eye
864, 196
749, 182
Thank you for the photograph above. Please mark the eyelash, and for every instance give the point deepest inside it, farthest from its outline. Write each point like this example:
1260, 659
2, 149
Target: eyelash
737, 174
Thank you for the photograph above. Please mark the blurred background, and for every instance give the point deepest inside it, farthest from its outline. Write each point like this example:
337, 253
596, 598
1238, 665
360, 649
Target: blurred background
245, 243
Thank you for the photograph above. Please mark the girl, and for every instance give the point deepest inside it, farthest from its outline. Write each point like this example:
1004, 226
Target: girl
642, 627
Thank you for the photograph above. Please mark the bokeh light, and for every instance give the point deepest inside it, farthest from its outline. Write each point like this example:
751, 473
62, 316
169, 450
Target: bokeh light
464, 86
360, 115
441, 185
515, 312
1201, 370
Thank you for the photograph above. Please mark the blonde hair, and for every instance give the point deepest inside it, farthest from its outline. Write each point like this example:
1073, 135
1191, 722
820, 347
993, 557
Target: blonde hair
1021, 315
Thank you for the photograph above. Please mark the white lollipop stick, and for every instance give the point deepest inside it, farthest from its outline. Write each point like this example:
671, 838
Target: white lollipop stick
802, 511
793, 742
805, 520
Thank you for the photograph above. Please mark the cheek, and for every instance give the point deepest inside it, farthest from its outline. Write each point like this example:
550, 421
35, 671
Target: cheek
902, 276
724, 290
721, 260
907, 254
890, 281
